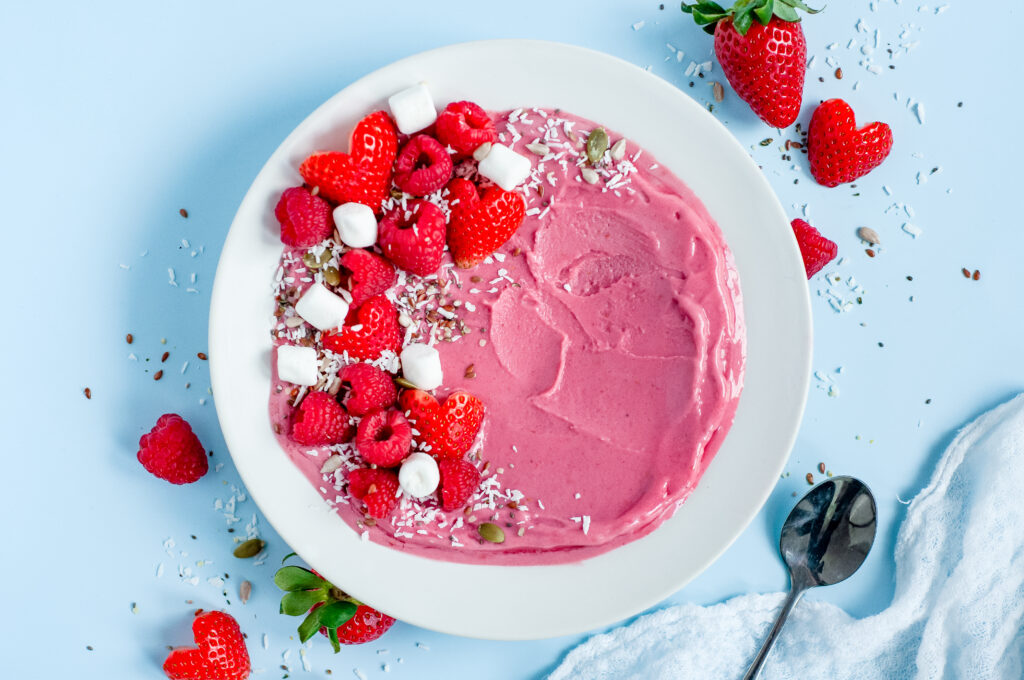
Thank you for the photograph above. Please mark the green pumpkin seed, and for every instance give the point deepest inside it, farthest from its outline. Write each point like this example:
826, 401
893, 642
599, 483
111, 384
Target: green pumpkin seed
251, 548
325, 256
597, 144
332, 276
402, 382
491, 532
311, 261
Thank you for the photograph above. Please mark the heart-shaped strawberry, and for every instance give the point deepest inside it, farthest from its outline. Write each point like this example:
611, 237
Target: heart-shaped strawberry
220, 655
837, 151
363, 175
374, 330
480, 225
449, 429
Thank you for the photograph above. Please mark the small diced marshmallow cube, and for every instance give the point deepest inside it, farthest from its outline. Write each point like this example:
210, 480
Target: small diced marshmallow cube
296, 364
413, 109
321, 308
505, 167
419, 475
356, 225
421, 365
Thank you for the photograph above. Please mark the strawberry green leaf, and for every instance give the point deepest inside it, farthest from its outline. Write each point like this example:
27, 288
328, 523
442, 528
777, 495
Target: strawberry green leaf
743, 20
336, 613
309, 626
288, 556
704, 8
332, 635
798, 4
765, 11
786, 12
298, 602
297, 578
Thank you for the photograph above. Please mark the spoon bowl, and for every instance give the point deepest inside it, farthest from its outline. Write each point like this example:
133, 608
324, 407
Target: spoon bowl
825, 539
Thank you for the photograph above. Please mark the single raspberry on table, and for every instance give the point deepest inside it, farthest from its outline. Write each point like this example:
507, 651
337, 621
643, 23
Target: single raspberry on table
172, 451
464, 126
365, 275
384, 438
423, 166
448, 429
376, 488
459, 480
367, 388
305, 219
373, 331
816, 250
413, 237
220, 653
320, 420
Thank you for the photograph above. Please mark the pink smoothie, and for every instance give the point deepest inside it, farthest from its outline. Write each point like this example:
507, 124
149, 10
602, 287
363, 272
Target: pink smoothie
606, 341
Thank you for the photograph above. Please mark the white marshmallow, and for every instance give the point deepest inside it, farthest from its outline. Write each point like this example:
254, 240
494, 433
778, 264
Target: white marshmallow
296, 364
421, 365
413, 109
356, 225
505, 167
419, 475
321, 308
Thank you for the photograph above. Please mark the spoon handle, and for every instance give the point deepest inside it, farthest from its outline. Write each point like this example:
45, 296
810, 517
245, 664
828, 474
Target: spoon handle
791, 600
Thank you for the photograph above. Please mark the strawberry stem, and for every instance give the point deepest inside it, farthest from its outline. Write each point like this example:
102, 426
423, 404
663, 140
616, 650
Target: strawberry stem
744, 12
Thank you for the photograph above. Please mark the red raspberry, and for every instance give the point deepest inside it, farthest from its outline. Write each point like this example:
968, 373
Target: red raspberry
368, 389
172, 451
816, 250
376, 488
464, 126
423, 166
320, 420
449, 429
375, 330
305, 219
366, 625
384, 438
413, 237
365, 275
220, 654
459, 480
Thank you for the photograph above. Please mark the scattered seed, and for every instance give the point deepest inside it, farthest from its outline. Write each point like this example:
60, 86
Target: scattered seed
475, 279
810, 478
158, 375
87, 392
522, 530
976, 275
491, 532
251, 548
870, 235
870, 252
481, 151
517, 252
766, 141
597, 144
538, 148
332, 276
966, 272
183, 213
471, 371
718, 91
821, 468
129, 338
619, 150
244, 591
839, 74
402, 382
164, 356
294, 321
796, 145
311, 261
404, 320
202, 356
589, 175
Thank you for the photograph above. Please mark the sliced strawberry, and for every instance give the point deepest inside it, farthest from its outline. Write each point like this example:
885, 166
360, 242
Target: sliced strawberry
449, 429
837, 151
816, 250
480, 225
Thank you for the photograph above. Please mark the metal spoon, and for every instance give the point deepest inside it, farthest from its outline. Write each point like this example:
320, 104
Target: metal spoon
824, 540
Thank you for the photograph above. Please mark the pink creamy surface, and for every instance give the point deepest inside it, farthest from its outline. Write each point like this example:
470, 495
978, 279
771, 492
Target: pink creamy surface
609, 355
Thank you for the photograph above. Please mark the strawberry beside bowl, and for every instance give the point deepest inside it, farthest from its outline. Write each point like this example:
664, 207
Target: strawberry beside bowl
535, 601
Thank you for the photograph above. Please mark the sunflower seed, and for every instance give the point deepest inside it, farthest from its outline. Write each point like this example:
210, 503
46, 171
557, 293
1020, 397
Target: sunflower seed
538, 148
251, 548
482, 151
331, 464
294, 321
491, 532
244, 591
619, 150
718, 91
868, 234
589, 175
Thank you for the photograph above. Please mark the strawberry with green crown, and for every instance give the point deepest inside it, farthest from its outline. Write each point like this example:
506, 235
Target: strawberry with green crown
761, 48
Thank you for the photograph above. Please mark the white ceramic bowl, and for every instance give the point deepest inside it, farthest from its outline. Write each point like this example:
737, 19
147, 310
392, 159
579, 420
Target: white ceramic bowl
528, 602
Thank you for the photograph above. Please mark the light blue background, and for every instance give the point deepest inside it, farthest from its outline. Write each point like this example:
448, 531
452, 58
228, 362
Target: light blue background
115, 115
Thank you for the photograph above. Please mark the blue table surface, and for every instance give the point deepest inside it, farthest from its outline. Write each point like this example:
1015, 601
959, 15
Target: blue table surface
116, 115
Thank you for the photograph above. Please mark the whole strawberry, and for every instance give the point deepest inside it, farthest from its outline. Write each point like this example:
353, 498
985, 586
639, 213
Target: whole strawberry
837, 151
220, 654
762, 51
449, 429
172, 451
343, 619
